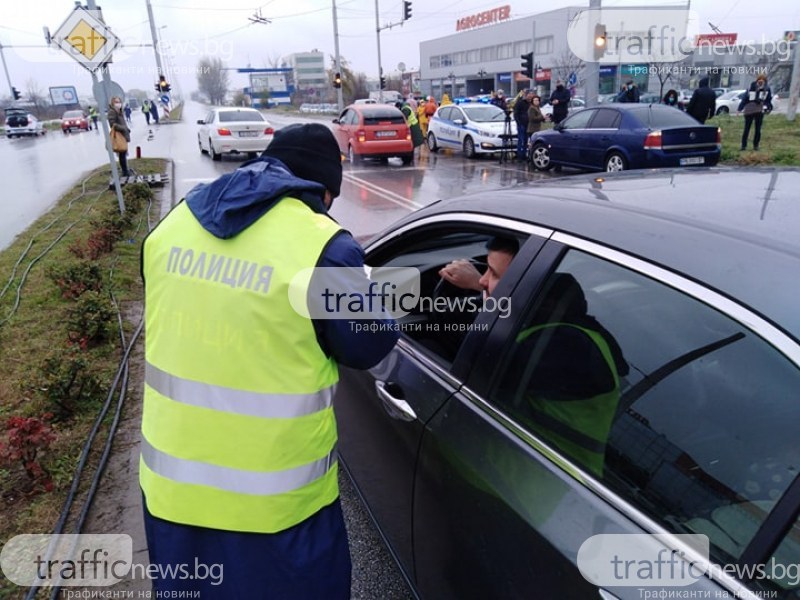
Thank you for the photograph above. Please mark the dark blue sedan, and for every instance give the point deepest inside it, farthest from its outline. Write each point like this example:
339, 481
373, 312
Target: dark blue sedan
616, 137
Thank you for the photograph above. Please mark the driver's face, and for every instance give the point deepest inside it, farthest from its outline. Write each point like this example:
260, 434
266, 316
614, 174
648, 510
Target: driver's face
498, 264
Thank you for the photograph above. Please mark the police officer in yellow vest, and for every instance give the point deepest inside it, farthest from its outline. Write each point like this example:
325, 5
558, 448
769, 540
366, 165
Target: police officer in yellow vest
238, 453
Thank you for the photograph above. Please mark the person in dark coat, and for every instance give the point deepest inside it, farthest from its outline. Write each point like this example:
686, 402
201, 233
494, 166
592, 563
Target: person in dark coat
521, 107
154, 111
756, 102
671, 99
560, 99
499, 100
629, 93
703, 103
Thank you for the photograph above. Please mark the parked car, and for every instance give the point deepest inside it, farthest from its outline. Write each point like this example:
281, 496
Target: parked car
684, 96
474, 128
606, 98
233, 130
645, 382
74, 119
615, 137
574, 104
20, 122
373, 131
648, 98
728, 103
720, 90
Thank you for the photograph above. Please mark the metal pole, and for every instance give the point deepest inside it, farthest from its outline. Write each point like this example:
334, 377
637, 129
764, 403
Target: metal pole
154, 35
90, 4
794, 87
339, 98
5, 68
592, 68
380, 68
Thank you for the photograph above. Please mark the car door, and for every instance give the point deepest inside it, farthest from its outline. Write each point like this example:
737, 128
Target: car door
382, 413
341, 129
601, 134
616, 400
566, 147
205, 129
447, 132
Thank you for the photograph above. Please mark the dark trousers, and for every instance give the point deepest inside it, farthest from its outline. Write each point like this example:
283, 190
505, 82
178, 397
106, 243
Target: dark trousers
123, 163
758, 118
522, 140
147, 116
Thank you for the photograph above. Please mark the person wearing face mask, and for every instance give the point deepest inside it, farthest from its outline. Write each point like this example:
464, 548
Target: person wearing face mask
671, 99
118, 124
560, 99
756, 102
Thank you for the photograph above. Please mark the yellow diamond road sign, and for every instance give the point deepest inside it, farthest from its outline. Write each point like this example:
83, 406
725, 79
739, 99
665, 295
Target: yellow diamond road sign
86, 38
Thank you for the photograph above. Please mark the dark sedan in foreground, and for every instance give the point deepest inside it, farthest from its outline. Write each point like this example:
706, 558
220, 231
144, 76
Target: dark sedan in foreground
616, 137
620, 415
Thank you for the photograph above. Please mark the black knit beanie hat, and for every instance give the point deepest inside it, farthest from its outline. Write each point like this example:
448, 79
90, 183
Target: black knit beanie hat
311, 152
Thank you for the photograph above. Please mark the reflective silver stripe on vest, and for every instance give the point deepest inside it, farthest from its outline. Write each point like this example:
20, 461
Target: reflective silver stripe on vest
234, 480
223, 399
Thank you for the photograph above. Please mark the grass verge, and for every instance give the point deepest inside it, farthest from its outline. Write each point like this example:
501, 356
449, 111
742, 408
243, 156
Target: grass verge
59, 341
780, 141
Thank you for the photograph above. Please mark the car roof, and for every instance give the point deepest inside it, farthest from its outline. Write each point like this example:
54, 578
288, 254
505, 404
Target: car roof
734, 230
234, 108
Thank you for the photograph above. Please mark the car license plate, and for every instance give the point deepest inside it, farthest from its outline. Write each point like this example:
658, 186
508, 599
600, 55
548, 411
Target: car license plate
692, 160
383, 134
248, 134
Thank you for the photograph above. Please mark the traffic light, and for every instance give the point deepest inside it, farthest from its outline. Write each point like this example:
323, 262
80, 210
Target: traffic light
162, 86
527, 65
16, 93
406, 10
383, 82
337, 80
599, 41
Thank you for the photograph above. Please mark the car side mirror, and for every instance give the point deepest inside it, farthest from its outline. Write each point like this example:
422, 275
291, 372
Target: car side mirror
201, 122
558, 127
458, 121
336, 121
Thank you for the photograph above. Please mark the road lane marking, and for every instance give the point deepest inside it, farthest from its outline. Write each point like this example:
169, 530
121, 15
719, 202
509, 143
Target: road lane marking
383, 192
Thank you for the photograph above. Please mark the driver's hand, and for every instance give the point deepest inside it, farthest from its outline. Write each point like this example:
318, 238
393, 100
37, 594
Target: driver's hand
463, 274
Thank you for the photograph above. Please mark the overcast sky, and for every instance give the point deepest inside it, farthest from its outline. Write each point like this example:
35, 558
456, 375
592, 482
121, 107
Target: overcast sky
222, 28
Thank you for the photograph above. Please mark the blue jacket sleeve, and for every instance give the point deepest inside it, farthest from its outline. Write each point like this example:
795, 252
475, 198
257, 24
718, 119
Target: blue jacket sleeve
365, 346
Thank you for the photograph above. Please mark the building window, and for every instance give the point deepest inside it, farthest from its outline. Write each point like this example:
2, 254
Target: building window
521, 48
458, 58
473, 56
436, 62
447, 60
544, 45
489, 53
505, 51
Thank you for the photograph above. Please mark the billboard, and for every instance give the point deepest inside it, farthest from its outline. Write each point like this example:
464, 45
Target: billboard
64, 95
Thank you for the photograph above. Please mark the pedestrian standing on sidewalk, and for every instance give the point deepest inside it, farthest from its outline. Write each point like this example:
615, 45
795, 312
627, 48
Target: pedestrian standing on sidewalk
238, 461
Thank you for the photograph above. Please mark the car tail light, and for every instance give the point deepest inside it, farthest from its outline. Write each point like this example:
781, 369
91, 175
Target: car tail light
223, 131
719, 137
653, 141
269, 131
361, 135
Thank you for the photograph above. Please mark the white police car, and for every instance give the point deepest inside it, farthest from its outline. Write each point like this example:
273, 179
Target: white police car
474, 128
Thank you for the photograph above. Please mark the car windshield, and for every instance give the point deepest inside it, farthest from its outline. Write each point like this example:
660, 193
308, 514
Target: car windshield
73, 114
229, 116
484, 113
658, 116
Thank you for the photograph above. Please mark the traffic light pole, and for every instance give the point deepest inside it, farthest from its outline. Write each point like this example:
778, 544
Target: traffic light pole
5, 68
153, 33
339, 97
380, 68
592, 68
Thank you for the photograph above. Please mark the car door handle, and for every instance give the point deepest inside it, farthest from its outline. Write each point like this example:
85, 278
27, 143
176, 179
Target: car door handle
396, 407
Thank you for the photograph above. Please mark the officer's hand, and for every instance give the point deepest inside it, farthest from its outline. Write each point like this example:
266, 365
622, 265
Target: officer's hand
463, 274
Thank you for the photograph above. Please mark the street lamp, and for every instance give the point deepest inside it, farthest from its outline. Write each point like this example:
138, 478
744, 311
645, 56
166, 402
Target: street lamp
452, 77
482, 73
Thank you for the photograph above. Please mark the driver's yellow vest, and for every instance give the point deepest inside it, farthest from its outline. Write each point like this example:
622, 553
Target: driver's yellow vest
238, 431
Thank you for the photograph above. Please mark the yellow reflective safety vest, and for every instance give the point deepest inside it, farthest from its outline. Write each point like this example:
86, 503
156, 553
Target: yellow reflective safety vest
411, 117
579, 427
238, 431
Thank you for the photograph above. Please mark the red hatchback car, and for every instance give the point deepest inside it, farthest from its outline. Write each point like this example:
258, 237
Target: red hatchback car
373, 131
74, 119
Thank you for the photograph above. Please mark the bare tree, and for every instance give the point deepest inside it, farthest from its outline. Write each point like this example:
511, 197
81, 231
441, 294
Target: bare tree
35, 95
212, 79
566, 64
354, 85
273, 61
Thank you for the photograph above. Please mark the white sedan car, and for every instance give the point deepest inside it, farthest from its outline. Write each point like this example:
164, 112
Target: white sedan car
728, 103
574, 104
20, 122
233, 130
474, 128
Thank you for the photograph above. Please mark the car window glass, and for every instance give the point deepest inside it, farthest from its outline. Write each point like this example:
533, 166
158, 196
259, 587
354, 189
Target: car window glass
230, 116
605, 118
578, 120
384, 117
444, 316
210, 117
684, 412
73, 114
448, 114
485, 113
663, 116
